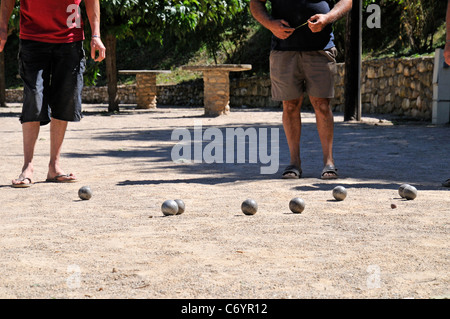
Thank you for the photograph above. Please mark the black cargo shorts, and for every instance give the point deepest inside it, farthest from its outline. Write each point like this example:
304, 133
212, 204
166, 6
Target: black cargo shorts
53, 80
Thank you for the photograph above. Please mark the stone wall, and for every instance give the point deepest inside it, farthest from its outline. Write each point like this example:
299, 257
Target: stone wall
184, 94
14, 96
91, 94
393, 86
389, 86
252, 92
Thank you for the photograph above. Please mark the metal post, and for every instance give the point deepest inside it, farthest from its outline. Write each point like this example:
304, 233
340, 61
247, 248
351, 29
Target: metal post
353, 63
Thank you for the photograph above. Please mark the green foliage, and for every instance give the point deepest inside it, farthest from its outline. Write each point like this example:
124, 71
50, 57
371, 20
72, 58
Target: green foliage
131, 18
408, 27
388, 39
420, 20
144, 21
226, 28
13, 25
168, 33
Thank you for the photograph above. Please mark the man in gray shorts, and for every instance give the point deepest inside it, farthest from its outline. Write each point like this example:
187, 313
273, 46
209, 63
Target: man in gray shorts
303, 60
51, 64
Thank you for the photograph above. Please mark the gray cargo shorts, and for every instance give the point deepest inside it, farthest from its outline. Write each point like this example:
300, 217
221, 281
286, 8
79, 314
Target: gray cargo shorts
293, 73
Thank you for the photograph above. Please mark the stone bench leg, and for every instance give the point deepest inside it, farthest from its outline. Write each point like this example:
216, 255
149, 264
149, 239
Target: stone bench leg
146, 91
216, 92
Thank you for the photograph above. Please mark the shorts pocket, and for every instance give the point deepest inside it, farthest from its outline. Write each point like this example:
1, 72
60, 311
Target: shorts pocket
331, 54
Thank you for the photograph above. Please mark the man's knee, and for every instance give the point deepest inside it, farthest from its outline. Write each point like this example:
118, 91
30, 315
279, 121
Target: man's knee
292, 106
321, 104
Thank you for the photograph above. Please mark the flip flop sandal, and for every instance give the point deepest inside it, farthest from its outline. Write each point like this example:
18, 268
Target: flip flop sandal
292, 172
57, 179
23, 185
329, 169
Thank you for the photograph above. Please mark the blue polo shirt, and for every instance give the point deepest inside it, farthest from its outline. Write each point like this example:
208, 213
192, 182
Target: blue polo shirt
297, 12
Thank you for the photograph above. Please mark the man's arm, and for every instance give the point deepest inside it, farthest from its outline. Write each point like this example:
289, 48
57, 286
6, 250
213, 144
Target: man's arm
93, 13
280, 28
6, 9
319, 21
447, 43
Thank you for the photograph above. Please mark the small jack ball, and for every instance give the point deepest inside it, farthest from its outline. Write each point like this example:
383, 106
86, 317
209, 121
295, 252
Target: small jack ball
181, 206
339, 193
169, 207
297, 205
249, 207
410, 192
85, 193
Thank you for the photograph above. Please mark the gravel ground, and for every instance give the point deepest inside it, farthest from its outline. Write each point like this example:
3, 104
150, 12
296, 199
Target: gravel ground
118, 244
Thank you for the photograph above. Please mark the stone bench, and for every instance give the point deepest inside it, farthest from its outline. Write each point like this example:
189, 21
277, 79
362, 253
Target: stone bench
217, 85
145, 86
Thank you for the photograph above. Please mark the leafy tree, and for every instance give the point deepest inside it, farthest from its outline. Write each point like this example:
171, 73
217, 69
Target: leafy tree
221, 26
408, 26
420, 20
227, 22
146, 20
121, 19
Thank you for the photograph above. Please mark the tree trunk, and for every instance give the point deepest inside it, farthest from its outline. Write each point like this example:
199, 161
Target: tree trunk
111, 73
2, 80
352, 110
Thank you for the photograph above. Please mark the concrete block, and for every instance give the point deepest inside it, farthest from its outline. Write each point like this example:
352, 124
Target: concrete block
441, 112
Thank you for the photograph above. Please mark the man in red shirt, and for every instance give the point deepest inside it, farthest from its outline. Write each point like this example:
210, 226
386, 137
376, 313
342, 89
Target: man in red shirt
51, 64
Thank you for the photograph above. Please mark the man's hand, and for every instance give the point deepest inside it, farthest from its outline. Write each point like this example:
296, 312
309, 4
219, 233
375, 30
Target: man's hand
318, 22
281, 29
97, 45
93, 13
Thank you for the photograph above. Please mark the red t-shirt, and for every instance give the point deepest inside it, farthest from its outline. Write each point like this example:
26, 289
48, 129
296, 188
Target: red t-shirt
52, 21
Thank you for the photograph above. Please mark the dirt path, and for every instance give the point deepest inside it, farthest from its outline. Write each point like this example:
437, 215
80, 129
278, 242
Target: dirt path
119, 245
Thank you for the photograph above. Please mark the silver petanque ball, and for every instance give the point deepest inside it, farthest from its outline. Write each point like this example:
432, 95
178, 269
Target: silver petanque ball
85, 193
400, 190
339, 193
297, 205
249, 207
169, 207
181, 206
410, 192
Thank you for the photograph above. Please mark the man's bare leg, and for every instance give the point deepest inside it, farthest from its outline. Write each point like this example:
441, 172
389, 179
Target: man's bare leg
292, 124
325, 127
30, 133
57, 132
